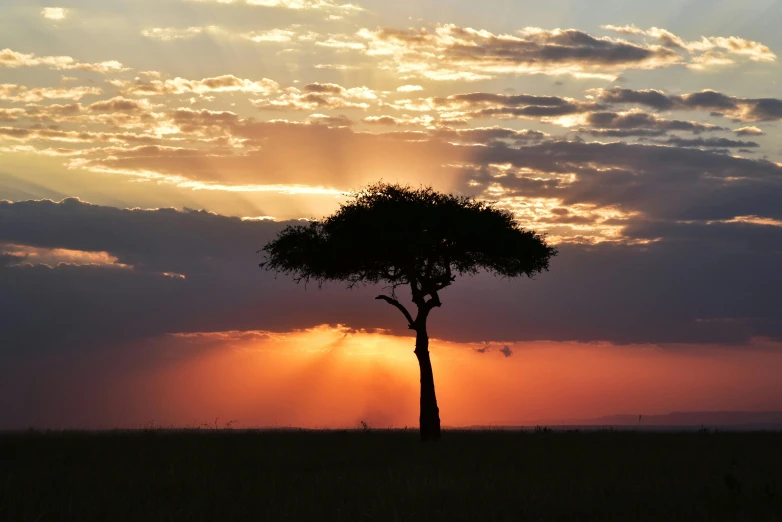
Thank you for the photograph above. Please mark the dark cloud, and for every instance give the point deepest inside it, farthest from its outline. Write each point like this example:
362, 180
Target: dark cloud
623, 133
531, 111
489, 105
529, 50
711, 143
681, 286
330, 88
506, 100
649, 97
624, 121
739, 109
701, 285
486, 135
117, 104
505, 350
658, 181
477, 136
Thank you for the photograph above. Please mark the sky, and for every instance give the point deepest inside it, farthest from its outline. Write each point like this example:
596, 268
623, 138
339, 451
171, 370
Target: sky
148, 149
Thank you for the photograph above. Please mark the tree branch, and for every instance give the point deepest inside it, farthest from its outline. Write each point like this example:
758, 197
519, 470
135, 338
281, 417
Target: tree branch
433, 302
400, 306
416, 291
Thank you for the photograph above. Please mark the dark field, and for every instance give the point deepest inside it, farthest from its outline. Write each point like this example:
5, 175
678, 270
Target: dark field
388, 475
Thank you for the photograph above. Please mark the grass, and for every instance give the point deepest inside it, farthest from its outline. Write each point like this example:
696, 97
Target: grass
369, 475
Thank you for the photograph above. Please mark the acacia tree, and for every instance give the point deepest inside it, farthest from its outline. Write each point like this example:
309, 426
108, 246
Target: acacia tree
416, 238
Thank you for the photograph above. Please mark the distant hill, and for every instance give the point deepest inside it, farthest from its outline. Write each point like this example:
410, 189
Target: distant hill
707, 418
727, 419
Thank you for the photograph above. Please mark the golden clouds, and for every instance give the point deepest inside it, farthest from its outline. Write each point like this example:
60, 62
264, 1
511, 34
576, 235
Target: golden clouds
749, 131
224, 83
708, 51
13, 59
318, 96
275, 35
25, 255
717, 103
54, 13
20, 93
296, 5
464, 53
452, 53
10, 114
327, 131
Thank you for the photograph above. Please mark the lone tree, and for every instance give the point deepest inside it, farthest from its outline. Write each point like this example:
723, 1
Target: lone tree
409, 237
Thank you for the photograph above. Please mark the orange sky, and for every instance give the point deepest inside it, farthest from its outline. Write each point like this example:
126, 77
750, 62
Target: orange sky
328, 378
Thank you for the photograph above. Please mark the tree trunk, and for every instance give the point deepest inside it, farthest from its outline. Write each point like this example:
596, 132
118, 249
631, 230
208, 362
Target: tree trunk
430, 413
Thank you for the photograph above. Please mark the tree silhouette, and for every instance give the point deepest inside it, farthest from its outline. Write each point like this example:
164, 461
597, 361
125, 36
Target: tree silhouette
419, 238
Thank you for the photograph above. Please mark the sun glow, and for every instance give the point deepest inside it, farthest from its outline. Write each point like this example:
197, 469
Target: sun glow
336, 377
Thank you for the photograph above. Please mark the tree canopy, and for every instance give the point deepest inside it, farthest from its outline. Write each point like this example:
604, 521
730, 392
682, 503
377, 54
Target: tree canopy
405, 236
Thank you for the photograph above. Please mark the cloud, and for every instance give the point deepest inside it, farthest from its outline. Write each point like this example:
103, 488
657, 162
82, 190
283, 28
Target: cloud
297, 5
657, 182
14, 59
409, 88
526, 169
473, 136
398, 121
135, 117
54, 13
271, 35
10, 114
468, 54
335, 66
305, 4
482, 105
224, 83
505, 350
275, 35
168, 34
320, 96
331, 121
20, 93
76, 139
119, 104
736, 108
712, 142
708, 51
23, 255
620, 124
749, 131
682, 284
488, 135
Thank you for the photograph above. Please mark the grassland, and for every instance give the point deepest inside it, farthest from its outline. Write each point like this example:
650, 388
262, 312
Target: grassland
224, 475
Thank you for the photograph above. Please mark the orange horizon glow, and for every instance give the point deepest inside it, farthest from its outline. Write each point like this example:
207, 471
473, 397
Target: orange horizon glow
331, 377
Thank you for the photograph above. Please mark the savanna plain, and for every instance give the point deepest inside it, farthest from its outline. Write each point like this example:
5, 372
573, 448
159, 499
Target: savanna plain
542, 475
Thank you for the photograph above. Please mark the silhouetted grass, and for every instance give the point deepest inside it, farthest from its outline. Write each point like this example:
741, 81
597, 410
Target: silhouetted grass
224, 475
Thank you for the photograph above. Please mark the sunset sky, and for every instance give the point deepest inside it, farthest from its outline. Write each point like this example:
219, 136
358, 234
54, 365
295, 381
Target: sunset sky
149, 148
